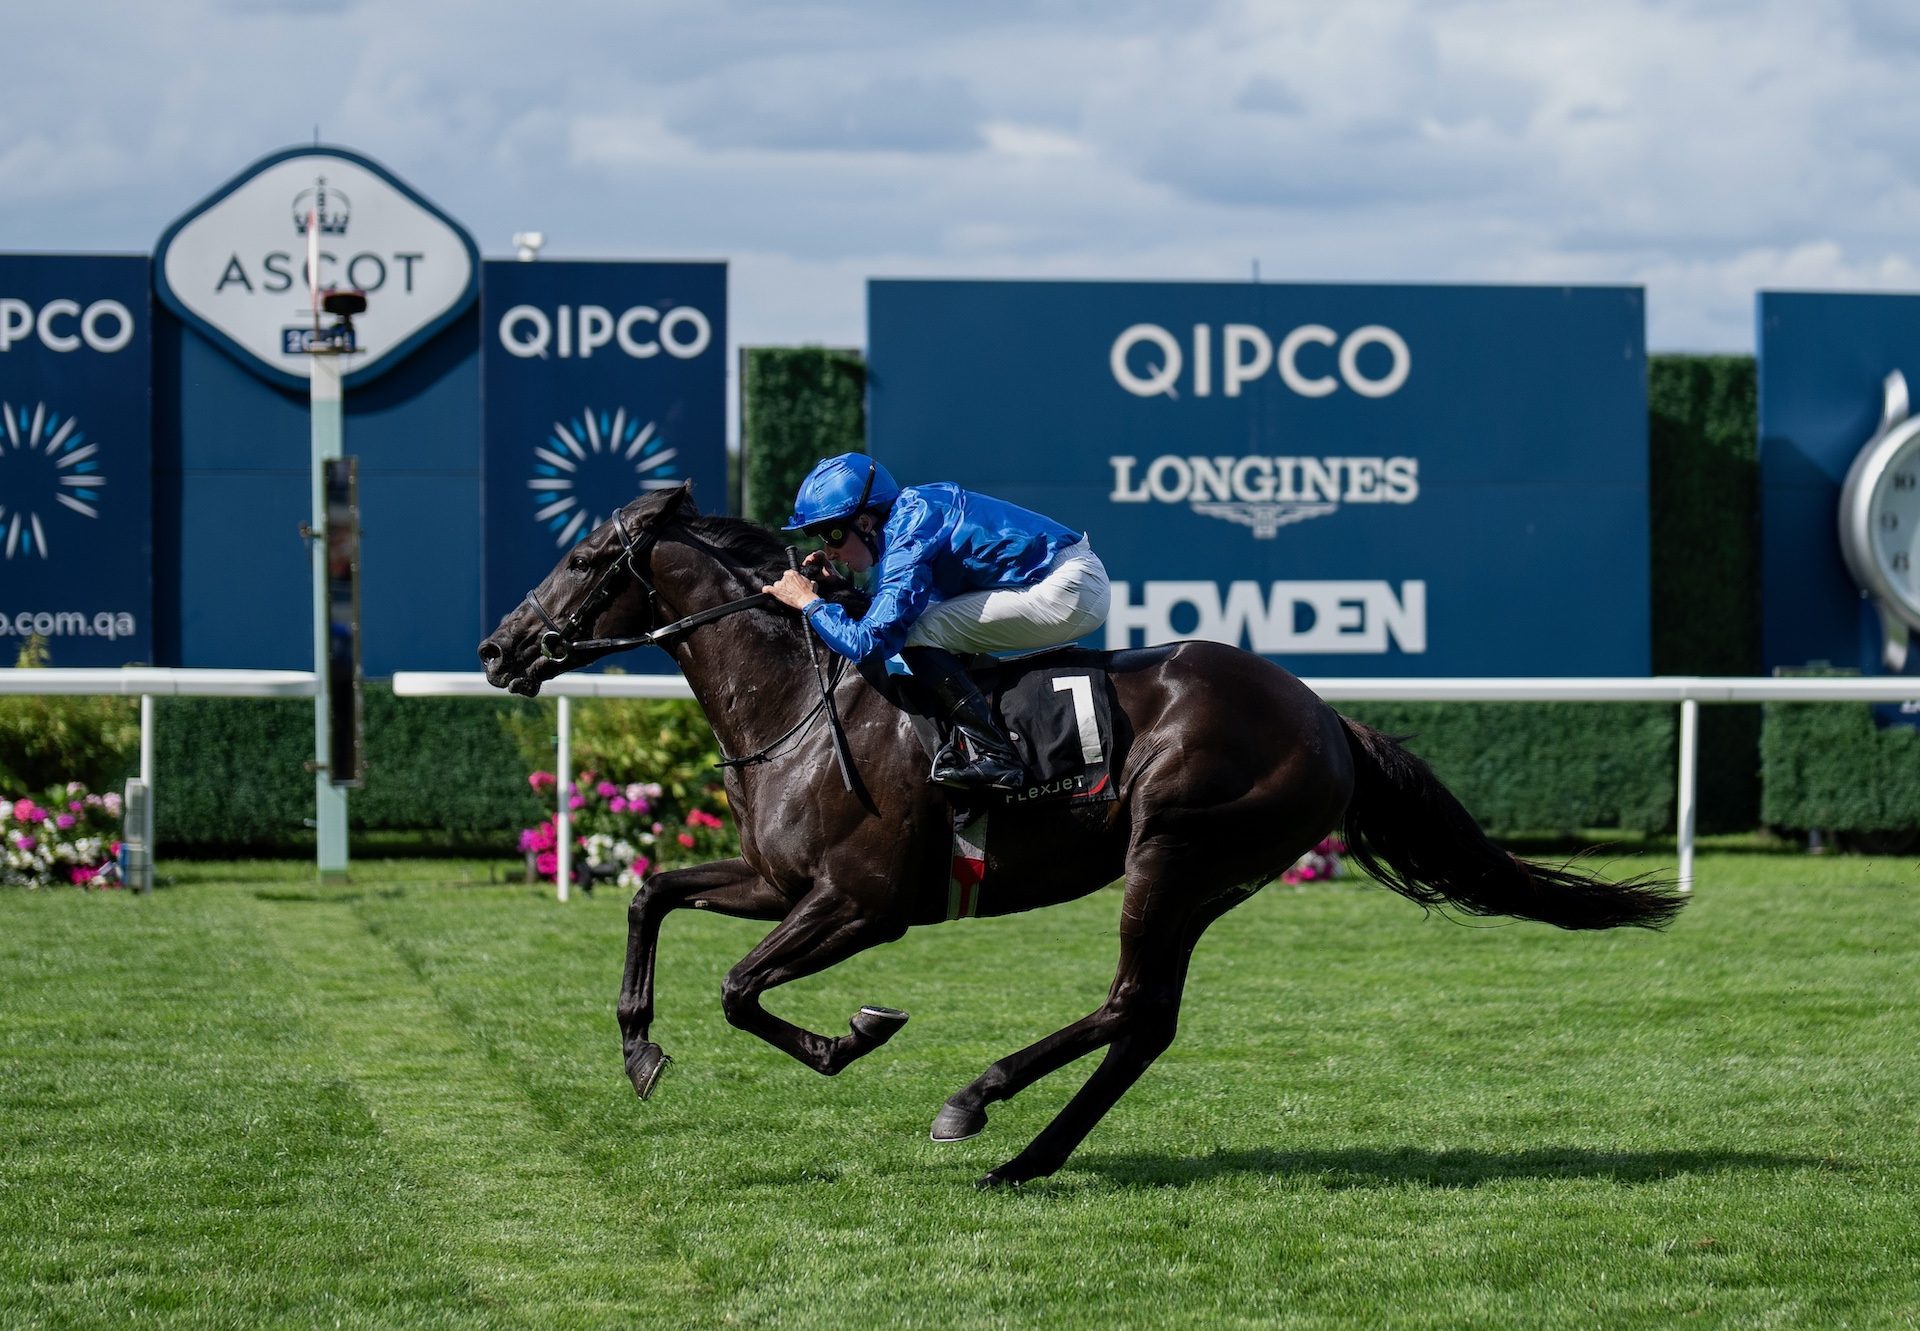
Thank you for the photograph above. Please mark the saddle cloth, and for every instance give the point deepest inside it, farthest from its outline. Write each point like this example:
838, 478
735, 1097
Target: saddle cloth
1058, 708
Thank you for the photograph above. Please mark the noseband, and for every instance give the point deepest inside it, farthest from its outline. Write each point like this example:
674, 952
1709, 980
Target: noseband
562, 640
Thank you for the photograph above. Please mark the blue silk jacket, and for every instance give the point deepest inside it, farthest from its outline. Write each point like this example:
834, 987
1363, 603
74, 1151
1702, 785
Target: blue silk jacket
939, 541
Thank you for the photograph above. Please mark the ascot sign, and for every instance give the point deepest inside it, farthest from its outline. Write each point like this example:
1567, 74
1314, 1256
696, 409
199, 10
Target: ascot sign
235, 267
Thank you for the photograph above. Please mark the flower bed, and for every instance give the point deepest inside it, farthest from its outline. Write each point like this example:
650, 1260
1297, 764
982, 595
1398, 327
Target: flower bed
626, 831
1324, 861
65, 836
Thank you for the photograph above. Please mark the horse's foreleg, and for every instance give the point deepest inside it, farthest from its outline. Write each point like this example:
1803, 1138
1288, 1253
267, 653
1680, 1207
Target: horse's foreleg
728, 887
824, 929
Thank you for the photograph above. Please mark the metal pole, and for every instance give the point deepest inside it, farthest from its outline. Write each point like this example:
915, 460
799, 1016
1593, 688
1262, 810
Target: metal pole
329, 800
1689, 770
146, 778
563, 816
146, 739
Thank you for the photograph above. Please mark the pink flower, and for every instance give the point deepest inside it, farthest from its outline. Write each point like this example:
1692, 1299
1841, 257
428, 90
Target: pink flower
64, 821
28, 843
685, 839
606, 790
701, 818
541, 781
658, 828
81, 875
547, 863
76, 806
575, 802
617, 804
641, 865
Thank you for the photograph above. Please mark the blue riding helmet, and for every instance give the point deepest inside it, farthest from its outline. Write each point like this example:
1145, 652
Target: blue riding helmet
839, 487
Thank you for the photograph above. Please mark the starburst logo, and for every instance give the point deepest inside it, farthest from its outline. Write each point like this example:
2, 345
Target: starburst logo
589, 466
45, 461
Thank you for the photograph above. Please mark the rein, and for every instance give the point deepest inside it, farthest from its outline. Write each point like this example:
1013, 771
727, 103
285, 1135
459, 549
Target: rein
556, 645
799, 729
678, 627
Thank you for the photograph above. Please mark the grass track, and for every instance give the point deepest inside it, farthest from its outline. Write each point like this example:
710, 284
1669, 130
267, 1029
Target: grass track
245, 1102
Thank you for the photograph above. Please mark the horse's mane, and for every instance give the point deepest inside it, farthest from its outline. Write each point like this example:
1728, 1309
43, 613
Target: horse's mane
747, 544
756, 550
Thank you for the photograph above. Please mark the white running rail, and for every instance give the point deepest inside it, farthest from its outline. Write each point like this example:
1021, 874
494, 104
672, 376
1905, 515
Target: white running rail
150, 682
1689, 691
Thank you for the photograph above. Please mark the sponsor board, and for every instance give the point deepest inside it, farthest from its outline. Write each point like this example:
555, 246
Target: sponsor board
601, 382
1366, 480
1824, 359
76, 459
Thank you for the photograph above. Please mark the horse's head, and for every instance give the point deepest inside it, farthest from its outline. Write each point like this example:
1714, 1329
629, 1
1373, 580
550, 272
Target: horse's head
601, 589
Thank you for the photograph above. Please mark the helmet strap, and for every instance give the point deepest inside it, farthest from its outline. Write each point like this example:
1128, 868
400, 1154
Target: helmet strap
866, 491
867, 538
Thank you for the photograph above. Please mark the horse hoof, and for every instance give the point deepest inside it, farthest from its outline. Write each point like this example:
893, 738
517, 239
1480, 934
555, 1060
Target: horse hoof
876, 1025
994, 1180
644, 1066
954, 1124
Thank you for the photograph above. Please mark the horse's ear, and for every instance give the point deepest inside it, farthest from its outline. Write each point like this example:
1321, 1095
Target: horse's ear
680, 502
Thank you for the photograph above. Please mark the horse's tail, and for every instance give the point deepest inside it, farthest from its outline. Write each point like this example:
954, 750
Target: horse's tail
1408, 831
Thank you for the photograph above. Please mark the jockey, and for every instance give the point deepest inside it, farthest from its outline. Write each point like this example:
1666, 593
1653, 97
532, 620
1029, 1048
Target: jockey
957, 571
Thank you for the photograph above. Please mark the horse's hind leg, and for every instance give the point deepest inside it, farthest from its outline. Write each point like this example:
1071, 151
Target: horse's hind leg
825, 929
1137, 1023
727, 887
965, 1114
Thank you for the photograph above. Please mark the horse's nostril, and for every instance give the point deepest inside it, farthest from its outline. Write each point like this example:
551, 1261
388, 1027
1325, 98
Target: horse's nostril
489, 652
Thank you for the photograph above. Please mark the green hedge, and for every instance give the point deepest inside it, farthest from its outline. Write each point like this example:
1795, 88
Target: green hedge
1704, 502
797, 405
231, 772
1544, 767
1828, 766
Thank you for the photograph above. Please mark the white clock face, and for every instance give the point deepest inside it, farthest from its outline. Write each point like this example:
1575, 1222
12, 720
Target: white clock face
1893, 515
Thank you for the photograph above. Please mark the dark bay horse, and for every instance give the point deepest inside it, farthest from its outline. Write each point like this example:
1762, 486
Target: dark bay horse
1227, 767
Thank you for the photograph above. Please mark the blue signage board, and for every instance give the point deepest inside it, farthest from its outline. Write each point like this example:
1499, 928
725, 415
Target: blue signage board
233, 438
599, 382
76, 458
1355, 480
1824, 359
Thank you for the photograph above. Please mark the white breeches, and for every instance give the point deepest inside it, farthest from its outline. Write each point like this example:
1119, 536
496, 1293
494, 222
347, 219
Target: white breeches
1068, 603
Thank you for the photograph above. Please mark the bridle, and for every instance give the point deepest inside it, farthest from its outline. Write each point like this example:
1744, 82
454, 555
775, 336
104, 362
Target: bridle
561, 640
558, 642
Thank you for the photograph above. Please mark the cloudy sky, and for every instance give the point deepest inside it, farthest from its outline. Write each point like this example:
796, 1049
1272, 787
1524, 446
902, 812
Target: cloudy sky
1704, 150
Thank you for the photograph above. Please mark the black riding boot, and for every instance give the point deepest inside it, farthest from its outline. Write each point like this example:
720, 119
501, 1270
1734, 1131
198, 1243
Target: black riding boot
979, 755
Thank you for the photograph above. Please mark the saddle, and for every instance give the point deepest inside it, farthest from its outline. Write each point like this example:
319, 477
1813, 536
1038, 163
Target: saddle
1057, 707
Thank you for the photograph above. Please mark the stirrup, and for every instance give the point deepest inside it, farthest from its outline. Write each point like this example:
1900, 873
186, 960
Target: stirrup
967, 766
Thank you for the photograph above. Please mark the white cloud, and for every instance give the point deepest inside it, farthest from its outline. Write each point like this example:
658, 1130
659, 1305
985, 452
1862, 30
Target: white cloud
1704, 149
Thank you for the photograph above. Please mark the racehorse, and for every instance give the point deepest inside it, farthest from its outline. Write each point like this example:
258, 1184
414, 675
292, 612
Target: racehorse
1227, 767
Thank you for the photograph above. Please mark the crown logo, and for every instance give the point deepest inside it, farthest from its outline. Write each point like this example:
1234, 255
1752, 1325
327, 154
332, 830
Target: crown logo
330, 208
